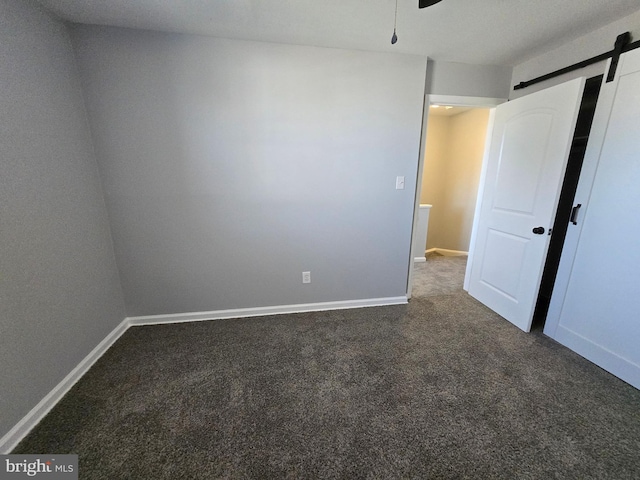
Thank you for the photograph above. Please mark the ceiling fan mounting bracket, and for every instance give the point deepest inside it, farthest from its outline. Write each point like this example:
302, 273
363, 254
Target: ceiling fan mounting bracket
427, 3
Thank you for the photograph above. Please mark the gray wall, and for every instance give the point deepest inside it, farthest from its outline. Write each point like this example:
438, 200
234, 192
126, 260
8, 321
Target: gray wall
59, 289
589, 45
451, 78
230, 167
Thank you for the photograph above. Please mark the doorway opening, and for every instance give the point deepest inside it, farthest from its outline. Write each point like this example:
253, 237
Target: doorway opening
565, 200
451, 156
453, 162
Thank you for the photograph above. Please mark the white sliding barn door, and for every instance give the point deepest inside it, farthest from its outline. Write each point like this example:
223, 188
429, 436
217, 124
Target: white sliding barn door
524, 168
595, 306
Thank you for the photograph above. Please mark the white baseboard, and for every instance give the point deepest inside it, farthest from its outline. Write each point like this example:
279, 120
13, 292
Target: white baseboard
37, 413
419, 259
262, 311
613, 363
9, 441
448, 253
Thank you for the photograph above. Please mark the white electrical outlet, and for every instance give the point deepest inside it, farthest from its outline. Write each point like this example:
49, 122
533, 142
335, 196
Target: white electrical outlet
306, 277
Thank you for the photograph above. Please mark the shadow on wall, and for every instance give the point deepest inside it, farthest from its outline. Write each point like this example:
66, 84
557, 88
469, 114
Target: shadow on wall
453, 161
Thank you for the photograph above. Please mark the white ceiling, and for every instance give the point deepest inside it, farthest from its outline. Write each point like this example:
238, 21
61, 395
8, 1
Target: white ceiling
486, 32
447, 111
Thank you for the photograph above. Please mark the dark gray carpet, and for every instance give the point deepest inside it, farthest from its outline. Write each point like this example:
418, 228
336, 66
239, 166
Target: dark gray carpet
439, 388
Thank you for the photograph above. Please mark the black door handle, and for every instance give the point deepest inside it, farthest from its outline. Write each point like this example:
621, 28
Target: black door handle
574, 214
538, 230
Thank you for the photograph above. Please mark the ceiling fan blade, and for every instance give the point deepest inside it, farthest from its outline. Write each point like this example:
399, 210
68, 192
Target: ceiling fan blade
427, 3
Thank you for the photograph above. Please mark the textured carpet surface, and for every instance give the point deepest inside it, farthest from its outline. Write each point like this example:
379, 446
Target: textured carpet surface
439, 275
439, 388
